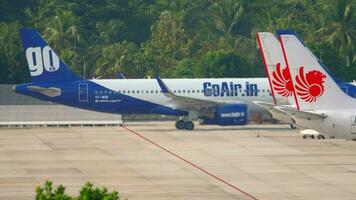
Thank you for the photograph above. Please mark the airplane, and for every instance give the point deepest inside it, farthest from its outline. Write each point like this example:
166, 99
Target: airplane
280, 78
322, 102
219, 101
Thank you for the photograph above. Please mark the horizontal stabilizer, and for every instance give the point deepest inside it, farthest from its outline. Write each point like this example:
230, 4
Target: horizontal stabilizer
276, 113
266, 105
293, 112
51, 92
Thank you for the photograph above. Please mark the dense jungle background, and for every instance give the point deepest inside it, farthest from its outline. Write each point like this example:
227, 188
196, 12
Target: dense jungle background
174, 38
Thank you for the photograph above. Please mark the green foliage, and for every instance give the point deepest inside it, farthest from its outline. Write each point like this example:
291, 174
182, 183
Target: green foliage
182, 38
88, 192
223, 63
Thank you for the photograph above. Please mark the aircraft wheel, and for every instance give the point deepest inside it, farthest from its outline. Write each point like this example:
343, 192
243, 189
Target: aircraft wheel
180, 125
292, 126
304, 137
189, 125
312, 136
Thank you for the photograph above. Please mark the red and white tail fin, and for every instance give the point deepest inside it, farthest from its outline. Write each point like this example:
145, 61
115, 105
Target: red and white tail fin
276, 68
315, 89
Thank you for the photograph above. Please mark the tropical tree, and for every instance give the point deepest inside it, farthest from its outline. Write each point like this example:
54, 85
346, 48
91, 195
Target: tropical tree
181, 38
12, 59
338, 26
111, 59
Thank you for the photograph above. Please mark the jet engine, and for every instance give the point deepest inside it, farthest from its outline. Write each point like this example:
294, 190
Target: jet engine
228, 115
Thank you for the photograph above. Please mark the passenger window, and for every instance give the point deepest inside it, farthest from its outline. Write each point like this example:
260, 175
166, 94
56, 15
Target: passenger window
183, 91
193, 91
124, 91
263, 90
178, 91
133, 91
198, 91
128, 91
174, 91
156, 91
151, 91
138, 91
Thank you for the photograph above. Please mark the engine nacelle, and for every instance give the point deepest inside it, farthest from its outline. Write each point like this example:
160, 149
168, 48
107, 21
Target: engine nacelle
228, 115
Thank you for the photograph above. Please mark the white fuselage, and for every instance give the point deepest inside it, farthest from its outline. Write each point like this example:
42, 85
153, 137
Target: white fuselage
337, 124
223, 90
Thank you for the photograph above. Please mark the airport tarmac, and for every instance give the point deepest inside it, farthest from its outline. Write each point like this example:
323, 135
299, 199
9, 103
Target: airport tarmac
277, 165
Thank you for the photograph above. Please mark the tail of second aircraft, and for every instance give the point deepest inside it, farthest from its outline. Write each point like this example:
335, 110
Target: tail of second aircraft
276, 68
44, 64
314, 87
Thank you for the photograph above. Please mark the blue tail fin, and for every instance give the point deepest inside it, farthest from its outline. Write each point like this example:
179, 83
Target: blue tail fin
44, 64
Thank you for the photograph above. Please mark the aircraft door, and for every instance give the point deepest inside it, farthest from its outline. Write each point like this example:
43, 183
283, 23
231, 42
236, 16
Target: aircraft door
83, 92
353, 124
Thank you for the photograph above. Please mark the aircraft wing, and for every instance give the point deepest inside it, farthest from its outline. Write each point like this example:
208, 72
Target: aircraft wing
293, 112
185, 102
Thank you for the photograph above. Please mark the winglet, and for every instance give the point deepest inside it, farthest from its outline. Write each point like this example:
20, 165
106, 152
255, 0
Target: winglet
121, 76
163, 86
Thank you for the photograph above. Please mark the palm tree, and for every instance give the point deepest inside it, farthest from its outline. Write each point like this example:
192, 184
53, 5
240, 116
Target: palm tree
63, 34
110, 62
62, 31
339, 26
226, 14
12, 53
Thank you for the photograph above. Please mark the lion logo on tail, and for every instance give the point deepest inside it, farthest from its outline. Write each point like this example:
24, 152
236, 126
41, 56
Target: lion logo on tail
310, 85
282, 81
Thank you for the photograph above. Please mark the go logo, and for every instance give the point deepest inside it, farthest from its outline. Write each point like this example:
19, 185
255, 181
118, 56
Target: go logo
41, 59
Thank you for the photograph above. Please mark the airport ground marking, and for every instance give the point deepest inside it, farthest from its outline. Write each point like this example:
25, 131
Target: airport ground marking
190, 163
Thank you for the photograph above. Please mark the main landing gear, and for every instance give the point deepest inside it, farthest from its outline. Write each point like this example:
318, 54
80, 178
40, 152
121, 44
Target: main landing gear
187, 125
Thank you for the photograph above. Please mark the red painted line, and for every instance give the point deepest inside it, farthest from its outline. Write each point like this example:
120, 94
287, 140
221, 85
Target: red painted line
285, 58
266, 67
190, 163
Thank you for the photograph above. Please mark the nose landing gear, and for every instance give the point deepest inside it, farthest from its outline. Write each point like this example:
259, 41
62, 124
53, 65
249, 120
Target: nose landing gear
187, 125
